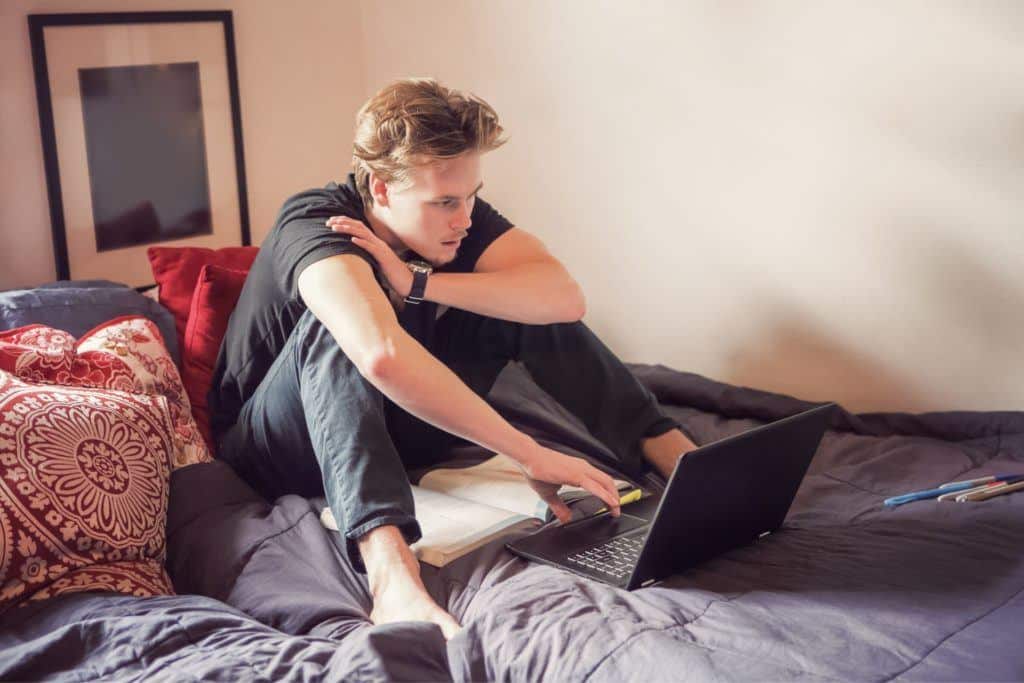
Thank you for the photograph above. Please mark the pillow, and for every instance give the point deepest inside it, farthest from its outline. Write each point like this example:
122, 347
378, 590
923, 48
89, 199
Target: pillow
125, 354
216, 294
176, 271
84, 480
80, 305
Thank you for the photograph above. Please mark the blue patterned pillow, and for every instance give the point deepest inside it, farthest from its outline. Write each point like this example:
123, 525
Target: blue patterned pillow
77, 306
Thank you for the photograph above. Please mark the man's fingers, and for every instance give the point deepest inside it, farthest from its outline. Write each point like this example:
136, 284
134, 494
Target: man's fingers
360, 234
349, 227
561, 510
610, 499
610, 484
555, 502
346, 224
606, 481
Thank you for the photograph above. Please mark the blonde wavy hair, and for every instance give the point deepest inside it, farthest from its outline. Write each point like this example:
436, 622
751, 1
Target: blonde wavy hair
415, 121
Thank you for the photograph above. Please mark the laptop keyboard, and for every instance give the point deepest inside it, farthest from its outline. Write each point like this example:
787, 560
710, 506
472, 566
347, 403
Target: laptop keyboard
616, 557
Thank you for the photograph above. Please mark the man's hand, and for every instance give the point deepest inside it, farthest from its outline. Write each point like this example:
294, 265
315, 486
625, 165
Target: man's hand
397, 274
546, 470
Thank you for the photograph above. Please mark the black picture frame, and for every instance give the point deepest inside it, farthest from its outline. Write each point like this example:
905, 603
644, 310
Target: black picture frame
69, 265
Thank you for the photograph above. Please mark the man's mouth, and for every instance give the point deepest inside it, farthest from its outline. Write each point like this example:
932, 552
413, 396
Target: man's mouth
451, 242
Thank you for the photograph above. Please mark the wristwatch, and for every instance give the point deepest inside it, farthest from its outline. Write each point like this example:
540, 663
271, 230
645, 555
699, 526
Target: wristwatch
421, 270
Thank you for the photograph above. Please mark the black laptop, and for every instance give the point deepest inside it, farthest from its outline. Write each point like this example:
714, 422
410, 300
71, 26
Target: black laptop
720, 496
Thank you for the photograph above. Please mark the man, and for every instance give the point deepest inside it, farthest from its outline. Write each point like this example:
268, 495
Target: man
338, 372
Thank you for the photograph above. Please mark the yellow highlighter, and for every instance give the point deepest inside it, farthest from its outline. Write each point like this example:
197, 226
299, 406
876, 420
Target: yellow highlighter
630, 497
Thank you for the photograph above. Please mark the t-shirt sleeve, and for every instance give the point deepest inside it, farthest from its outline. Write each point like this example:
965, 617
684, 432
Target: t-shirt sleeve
305, 239
488, 225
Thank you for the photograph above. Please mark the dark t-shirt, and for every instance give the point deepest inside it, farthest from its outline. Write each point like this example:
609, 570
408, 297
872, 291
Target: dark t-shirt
270, 305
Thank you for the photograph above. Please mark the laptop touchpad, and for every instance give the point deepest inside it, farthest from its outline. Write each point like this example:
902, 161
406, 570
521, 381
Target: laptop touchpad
596, 530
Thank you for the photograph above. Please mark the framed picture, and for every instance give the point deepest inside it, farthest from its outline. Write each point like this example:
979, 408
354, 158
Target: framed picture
142, 137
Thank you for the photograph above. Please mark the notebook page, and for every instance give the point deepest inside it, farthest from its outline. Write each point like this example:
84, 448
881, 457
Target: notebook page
451, 526
498, 482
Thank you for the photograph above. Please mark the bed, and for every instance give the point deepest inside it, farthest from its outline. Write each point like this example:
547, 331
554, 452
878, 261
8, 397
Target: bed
849, 590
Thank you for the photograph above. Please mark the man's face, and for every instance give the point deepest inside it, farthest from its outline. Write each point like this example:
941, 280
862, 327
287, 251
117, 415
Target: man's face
431, 215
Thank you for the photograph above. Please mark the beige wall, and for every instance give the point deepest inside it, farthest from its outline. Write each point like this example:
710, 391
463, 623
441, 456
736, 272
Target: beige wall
816, 198
300, 78
824, 201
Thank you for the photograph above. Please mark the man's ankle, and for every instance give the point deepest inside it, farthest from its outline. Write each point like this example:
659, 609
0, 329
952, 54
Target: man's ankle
388, 559
664, 450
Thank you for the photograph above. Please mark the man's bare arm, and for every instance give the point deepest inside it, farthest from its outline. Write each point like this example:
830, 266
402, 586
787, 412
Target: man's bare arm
343, 294
516, 279
531, 294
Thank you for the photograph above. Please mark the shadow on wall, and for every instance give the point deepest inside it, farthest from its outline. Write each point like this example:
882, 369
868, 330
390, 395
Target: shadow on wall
973, 298
793, 357
962, 330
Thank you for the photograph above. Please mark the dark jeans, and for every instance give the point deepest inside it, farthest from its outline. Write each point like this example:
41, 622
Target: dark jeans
315, 426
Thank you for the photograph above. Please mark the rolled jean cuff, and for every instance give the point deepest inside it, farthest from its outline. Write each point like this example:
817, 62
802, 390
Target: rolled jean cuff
409, 527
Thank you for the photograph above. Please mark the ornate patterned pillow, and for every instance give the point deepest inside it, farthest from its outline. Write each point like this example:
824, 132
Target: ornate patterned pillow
125, 353
84, 479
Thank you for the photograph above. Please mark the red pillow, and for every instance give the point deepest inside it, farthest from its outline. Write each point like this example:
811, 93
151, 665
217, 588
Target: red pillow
126, 354
176, 271
84, 480
216, 294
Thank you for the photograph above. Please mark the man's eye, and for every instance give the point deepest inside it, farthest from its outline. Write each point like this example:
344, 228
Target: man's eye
451, 203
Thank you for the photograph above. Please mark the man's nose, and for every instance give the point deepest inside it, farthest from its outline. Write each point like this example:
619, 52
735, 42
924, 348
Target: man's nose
462, 219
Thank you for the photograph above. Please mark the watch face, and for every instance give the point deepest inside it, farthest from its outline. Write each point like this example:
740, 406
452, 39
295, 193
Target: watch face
421, 266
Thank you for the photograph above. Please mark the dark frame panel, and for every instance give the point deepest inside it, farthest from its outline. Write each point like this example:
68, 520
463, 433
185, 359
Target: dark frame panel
36, 24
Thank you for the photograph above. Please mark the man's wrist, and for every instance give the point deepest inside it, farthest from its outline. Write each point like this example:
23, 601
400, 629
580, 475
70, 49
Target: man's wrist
420, 271
521, 447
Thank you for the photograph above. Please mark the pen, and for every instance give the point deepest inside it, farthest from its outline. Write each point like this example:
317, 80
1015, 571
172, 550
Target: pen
933, 493
980, 480
630, 497
922, 495
958, 493
992, 492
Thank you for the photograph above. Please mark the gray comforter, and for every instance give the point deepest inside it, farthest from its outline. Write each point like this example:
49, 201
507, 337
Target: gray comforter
849, 590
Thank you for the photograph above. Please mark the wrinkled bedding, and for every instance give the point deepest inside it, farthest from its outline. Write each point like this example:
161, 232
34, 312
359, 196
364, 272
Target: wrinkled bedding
848, 590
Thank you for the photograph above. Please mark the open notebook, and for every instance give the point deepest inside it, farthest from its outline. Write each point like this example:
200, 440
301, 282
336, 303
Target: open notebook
461, 509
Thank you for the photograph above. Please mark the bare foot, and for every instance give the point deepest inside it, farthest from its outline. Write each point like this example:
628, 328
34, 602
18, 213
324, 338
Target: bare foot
393, 573
411, 603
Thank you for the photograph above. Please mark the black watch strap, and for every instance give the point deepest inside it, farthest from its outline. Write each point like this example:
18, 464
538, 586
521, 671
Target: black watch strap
420, 273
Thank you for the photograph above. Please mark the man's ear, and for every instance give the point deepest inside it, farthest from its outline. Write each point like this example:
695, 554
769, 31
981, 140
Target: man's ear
378, 190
